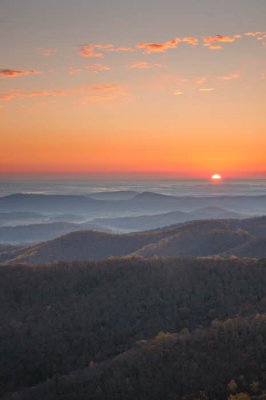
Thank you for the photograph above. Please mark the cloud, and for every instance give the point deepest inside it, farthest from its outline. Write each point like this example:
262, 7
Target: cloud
89, 94
178, 93
214, 47
253, 34
122, 49
96, 50
88, 50
159, 47
15, 94
105, 93
13, 73
97, 67
260, 36
46, 51
108, 88
74, 71
229, 77
214, 42
206, 89
144, 65
200, 80
190, 40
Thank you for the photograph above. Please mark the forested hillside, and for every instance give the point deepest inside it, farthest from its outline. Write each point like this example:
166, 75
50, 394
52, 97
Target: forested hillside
67, 317
195, 238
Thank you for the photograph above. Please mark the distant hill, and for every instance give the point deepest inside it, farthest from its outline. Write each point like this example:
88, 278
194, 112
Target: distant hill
213, 212
35, 232
195, 238
114, 195
19, 217
144, 222
121, 204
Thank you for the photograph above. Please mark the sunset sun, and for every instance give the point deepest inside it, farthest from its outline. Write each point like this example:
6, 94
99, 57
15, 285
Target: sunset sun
216, 177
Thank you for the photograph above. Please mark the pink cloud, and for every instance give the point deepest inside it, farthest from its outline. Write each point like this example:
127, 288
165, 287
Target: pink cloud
229, 77
143, 65
105, 93
200, 80
96, 50
123, 49
74, 71
206, 89
178, 93
159, 47
111, 47
14, 94
97, 67
12, 73
190, 40
46, 51
88, 50
108, 88
214, 42
257, 35
214, 47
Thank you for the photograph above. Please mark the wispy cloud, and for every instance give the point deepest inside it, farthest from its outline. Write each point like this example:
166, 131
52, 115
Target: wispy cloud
259, 36
97, 50
46, 51
214, 42
105, 93
15, 94
88, 94
229, 77
159, 47
190, 40
108, 88
178, 93
201, 80
210, 89
97, 67
144, 65
74, 70
13, 73
88, 51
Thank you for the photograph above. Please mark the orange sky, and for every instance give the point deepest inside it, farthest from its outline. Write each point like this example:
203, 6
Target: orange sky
180, 100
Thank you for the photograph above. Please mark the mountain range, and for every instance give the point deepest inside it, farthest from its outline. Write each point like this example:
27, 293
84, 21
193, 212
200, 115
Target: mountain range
196, 238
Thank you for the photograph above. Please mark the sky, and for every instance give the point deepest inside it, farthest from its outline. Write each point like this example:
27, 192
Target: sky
116, 88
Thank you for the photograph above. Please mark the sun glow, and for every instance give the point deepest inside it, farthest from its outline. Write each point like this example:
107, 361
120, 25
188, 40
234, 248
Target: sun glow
216, 177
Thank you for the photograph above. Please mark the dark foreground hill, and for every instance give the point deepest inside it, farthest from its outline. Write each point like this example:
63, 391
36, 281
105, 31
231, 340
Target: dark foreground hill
253, 248
203, 364
196, 238
92, 330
